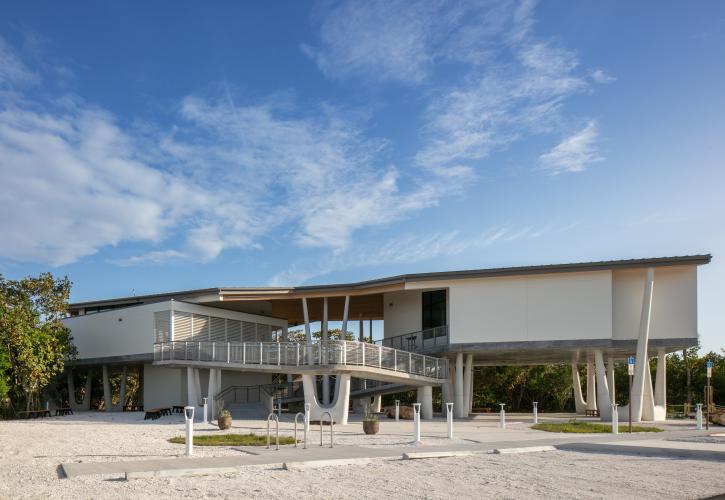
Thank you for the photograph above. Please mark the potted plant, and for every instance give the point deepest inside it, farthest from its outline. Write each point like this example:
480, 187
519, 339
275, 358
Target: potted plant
371, 424
224, 420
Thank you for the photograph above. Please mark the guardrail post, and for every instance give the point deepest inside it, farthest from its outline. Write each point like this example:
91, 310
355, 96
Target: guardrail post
261, 353
279, 353
362, 345
410, 362
344, 352
229, 349
395, 360
244, 353
380, 356
416, 422
319, 355
298, 354
198, 351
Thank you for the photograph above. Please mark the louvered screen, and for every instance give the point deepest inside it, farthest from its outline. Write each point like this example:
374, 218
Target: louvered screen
218, 330
264, 333
182, 326
234, 330
249, 332
200, 328
162, 326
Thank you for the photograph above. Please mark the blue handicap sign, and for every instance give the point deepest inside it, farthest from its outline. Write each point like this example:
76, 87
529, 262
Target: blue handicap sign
630, 360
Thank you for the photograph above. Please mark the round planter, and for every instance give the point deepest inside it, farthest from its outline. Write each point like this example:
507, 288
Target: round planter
371, 427
224, 422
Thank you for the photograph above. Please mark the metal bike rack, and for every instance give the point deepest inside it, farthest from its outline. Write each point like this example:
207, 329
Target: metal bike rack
322, 418
276, 419
304, 429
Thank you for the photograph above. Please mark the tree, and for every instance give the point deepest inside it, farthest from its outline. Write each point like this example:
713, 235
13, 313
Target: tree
34, 343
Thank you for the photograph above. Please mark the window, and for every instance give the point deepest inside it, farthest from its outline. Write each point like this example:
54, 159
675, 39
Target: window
434, 309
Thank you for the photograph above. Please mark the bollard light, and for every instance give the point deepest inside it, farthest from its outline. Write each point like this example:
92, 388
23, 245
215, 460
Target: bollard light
449, 417
205, 410
615, 419
189, 417
397, 410
536, 412
416, 421
698, 416
502, 417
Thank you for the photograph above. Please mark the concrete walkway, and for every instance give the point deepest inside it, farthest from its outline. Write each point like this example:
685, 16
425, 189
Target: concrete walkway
650, 445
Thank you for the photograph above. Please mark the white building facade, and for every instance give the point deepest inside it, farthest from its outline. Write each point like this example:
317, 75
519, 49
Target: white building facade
437, 328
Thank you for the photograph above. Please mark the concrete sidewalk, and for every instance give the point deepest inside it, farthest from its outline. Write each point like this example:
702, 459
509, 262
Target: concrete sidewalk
649, 445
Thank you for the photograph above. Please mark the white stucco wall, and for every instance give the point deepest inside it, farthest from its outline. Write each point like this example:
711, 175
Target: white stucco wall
530, 308
163, 387
674, 302
402, 312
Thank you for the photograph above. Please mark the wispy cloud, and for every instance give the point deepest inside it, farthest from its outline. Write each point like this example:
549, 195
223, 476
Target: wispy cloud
574, 153
601, 76
412, 249
12, 69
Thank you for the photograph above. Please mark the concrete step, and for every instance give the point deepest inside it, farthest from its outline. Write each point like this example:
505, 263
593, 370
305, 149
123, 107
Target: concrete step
244, 411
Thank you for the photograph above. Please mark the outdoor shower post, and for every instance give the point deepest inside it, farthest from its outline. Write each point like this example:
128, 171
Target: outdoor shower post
449, 418
502, 417
536, 412
416, 421
397, 410
189, 417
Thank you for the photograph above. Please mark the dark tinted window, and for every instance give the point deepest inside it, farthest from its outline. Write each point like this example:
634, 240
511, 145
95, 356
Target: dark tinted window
434, 309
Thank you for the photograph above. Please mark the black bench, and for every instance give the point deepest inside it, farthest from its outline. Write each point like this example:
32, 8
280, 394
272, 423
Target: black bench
62, 412
591, 413
177, 409
34, 414
156, 413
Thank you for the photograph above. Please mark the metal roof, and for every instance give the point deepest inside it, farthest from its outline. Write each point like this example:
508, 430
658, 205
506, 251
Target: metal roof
403, 278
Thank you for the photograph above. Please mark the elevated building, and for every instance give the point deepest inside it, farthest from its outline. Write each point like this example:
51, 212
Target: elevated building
220, 343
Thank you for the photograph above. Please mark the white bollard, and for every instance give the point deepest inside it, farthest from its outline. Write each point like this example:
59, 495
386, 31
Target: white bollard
307, 419
698, 416
536, 412
397, 410
502, 417
615, 419
449, 417
189, 417
205, 410
416, 421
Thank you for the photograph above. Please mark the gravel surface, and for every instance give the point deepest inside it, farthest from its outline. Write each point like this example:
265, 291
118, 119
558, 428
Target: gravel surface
31, 452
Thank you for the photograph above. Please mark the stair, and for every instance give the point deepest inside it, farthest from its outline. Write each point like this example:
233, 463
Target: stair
247, 411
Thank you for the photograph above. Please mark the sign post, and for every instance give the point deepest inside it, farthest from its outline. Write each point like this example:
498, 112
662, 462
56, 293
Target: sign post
708, 394
630, 371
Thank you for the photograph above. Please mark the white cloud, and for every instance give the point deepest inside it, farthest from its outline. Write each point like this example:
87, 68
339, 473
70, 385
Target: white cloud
601, 76
575, 152
12, 69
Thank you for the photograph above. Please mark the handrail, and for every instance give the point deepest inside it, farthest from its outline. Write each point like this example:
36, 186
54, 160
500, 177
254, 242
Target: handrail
418, 340
321, 353
276, 419
304, 429
322, 419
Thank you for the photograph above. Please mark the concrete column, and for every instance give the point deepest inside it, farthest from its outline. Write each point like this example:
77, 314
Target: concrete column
661, 379
470, 387
648, 399
308, 334
425, 398
458, 408
212, 390
325, 336
377, 402
192, 397
340, 405
591, 385
360, 333
345, 310
197, 388
467, 384
106, 390
610, 379
641, 361
605, 406
85, 404
580, 404
122, 390
446, 393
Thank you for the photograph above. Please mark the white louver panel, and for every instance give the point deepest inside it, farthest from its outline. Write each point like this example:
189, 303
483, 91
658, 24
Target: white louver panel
249, 332
182, 326
200, 328
162, 326
218, 330
234, 330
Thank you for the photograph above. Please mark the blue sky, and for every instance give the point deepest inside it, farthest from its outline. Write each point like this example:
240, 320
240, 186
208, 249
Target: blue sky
171, 145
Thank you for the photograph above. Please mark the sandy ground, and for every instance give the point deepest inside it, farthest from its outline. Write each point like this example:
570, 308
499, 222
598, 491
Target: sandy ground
31, 451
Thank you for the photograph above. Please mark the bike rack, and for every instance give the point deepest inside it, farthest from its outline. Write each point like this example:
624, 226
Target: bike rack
322, 418
276, 419
304, 427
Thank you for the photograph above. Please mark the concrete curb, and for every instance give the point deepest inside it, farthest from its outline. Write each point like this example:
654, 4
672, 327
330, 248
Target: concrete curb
180, 472
525, 449
332, 462
440, 454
